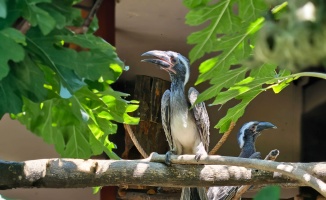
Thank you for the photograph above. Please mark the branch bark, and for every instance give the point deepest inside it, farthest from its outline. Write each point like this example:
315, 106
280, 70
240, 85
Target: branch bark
289, 169
222, 140
271, 156
77, 173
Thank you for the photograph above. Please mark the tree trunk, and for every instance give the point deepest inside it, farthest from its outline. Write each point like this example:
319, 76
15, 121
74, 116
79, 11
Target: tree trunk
149, 132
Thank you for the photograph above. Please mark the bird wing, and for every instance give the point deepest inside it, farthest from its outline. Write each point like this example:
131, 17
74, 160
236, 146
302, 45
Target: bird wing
201, 117
165, 114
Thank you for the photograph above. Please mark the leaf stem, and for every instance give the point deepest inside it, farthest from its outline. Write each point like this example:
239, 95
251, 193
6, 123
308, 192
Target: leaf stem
309, 74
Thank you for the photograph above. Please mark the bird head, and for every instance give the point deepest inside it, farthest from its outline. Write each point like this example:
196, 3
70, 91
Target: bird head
251, 130
174, 63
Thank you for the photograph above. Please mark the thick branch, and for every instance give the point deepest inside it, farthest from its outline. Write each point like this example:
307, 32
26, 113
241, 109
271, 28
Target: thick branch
77, 173
289, 169
271, 156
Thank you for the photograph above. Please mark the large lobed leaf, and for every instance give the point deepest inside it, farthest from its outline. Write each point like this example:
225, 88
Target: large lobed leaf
231, 32
60, 93
79, 126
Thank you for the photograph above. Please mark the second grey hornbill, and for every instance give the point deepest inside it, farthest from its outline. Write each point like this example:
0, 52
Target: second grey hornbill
247, 136
186, 125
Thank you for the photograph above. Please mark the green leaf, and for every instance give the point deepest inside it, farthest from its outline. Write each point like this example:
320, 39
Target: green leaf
205, 39
44, 20
232, 34
9, 50
109, 68
194, 3
14, 9
3, 9
99, 61
240, 88
15, 35
234, 113
84, 132
96, 189
223, 81
21, 82
33, 2
235, 49
251, 9
10, 101
37, 16
59, 93
63, 13
23, 75
268, 193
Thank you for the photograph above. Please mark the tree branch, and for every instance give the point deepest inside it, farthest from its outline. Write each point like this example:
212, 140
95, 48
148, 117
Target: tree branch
77, 173
222, 140
135, 141
289, 169
271, 156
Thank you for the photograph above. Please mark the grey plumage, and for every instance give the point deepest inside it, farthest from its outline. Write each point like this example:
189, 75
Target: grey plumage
187, 130
247, 136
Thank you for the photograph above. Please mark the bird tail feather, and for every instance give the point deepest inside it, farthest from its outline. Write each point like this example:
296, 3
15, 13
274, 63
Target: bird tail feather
198, 193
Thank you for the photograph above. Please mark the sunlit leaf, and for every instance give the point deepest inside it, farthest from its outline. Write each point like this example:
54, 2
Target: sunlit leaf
230, 29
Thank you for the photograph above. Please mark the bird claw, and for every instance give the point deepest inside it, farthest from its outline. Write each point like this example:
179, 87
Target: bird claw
255, 155
200, 150
168, 157
197, 156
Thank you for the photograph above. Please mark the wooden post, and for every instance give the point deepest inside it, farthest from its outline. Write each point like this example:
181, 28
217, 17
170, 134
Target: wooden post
149, 132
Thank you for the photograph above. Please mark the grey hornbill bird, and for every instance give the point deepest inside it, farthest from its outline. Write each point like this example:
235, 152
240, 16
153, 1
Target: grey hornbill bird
246, 138
186, 125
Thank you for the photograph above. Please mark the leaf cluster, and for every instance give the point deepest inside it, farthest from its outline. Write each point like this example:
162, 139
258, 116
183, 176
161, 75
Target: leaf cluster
56, 82
230, 34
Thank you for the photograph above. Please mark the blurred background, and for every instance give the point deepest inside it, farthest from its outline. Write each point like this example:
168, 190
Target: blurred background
135, 27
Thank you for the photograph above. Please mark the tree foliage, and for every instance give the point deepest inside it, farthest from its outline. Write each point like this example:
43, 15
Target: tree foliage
60, 93
269, 192
231, 34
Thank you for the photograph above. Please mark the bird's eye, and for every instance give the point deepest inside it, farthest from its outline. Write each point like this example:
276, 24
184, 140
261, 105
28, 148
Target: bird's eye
173, 59
253, 127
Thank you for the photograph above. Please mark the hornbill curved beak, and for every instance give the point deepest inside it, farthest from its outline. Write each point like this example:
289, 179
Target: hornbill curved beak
161, 59
264, 125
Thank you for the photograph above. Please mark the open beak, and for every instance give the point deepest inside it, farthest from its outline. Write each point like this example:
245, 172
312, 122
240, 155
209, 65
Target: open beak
264, 125
161, 59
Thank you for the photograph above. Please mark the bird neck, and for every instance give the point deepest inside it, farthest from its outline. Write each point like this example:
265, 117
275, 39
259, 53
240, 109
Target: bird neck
248, 148
177, 86
178, 98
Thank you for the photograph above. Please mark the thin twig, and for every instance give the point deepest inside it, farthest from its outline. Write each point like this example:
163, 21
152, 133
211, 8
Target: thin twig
287, 169
91, 14
88, 20
22, 25
135, 141
222, 140
271, 156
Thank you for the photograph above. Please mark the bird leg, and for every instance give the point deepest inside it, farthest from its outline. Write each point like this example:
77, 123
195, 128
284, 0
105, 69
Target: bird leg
200, 150
168, 156
255, 155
